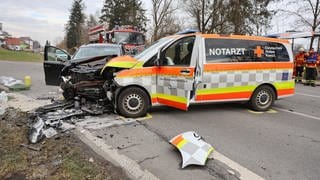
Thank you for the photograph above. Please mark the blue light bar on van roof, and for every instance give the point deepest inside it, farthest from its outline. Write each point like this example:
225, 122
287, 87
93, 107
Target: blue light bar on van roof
187, 31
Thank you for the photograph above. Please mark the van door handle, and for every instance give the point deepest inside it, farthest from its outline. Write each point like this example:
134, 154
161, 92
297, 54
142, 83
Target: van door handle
185, 71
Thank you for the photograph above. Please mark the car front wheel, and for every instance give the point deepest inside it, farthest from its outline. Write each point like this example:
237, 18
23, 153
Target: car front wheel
133, 102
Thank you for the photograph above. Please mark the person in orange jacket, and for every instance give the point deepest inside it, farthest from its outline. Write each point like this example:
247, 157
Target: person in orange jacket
311, 68
299, 60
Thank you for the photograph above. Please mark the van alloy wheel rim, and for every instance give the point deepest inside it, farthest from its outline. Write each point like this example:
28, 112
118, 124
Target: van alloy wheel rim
133, 102
263, 98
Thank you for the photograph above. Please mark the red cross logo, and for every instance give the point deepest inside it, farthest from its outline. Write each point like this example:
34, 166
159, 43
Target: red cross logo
258, 51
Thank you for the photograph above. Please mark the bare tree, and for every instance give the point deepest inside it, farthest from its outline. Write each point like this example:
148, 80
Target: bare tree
209, 15
307, 14
164, 20
260, 16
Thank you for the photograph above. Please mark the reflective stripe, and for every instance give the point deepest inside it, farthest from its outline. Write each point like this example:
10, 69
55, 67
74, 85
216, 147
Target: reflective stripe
171, 103
247, 66
226, 90
175, 71
154, 100
137, 72
122, 64
283, 92
284, 85
182, 143
240, 92
139, 65
169, 100
164, 71
177, 140
224, 96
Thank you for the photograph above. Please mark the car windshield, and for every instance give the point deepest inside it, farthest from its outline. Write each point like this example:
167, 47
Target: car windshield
129, 38
93, 51
153, 49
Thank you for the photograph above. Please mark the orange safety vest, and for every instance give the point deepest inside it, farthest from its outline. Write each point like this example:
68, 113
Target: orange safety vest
299, 59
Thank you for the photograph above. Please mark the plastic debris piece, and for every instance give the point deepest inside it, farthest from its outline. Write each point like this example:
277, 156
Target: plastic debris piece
10, 81
30, 147
66, 127
36, 132
49, 133
193, 149
3, 97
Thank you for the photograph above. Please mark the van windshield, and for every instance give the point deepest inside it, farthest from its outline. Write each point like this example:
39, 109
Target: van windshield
153, 49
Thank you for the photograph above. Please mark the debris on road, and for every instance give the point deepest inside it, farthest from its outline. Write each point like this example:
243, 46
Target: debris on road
30, 147
59, 117
54, 158
50, 132
13, 84
193, 149
3, 99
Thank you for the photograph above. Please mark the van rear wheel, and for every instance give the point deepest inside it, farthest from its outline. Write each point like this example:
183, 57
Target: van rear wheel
133, 102
263, 98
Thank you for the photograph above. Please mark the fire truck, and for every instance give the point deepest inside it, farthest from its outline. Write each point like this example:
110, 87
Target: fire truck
131, 37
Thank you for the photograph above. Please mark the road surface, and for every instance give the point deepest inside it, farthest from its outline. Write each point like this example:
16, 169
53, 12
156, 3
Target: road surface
280, 144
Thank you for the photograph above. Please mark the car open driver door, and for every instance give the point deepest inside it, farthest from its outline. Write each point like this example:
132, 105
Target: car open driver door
54, 59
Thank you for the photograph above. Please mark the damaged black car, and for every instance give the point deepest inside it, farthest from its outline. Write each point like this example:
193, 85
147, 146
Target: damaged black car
79, 75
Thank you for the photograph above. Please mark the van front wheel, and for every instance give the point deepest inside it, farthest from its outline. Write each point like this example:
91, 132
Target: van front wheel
133, 102
263, 98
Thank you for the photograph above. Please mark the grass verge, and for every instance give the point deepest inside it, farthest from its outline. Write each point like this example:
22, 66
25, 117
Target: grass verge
61, 157
20, 56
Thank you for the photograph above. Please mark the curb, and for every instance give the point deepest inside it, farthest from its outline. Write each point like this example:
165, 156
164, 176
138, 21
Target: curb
131, 167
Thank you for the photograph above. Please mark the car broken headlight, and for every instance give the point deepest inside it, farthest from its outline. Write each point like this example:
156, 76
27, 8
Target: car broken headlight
66, 78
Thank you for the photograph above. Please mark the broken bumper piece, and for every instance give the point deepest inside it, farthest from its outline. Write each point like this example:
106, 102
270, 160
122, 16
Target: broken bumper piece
193, 149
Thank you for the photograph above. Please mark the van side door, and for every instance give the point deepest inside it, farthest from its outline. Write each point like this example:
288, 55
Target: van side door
175, 75
54, 59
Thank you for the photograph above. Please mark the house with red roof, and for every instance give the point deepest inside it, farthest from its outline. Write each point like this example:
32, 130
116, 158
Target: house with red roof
13, 43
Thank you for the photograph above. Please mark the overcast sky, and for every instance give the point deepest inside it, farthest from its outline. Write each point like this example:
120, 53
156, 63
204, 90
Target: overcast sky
45, 19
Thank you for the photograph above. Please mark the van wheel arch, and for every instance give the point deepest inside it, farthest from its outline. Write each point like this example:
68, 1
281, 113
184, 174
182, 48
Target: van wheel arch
270, 85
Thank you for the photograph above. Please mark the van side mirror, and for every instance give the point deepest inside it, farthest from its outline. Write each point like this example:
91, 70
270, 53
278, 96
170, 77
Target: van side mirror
158, 62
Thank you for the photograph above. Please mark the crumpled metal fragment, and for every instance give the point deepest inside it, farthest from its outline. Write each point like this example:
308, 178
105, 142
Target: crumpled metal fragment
36, 131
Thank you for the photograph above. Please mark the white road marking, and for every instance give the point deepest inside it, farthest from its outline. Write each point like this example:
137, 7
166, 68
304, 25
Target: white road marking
309, 95
111, 154
298, 113
244, 172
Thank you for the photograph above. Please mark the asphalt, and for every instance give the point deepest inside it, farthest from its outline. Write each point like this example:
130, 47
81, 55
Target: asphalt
19, 70
280, 144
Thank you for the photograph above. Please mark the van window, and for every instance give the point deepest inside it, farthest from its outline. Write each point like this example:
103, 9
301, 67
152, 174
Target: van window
179, 53
236, 50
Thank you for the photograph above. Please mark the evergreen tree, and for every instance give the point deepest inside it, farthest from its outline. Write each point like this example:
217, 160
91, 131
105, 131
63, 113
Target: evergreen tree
123, 12
74, 27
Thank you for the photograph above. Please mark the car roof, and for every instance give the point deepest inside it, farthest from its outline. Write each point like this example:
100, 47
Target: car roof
101, 45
